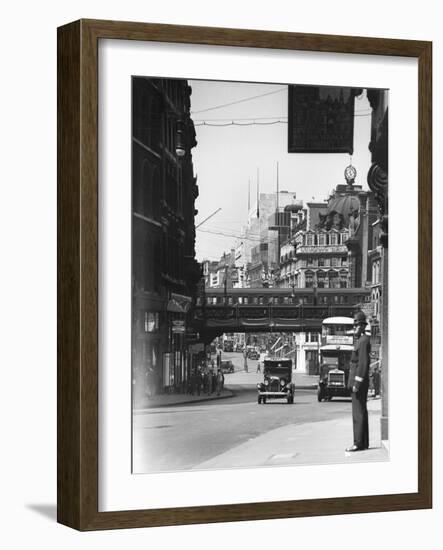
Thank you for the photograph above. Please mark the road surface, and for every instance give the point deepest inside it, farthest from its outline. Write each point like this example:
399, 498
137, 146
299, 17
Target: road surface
184, 437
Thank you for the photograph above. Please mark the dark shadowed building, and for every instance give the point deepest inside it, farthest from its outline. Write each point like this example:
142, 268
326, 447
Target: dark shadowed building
164, 270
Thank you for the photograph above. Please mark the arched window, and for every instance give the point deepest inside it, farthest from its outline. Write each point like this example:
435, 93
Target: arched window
333, 279
310, 239
322, 281
309, 279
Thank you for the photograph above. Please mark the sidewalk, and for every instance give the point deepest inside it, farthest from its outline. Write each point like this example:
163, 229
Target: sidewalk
165, 400
322, 442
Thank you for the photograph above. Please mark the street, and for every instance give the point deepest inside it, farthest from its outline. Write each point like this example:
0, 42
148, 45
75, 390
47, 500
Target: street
219, 433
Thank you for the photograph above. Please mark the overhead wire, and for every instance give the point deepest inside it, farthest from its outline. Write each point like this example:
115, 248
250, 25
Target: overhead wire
223, 234
238, 101
255, 121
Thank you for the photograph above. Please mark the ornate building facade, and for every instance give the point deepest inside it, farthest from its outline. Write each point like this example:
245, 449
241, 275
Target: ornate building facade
329, 242
164, 270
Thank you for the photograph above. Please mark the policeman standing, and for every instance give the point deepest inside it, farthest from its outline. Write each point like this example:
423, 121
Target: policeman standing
358, 382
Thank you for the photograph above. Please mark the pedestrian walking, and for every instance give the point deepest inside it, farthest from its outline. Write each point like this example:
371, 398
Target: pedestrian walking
261, 360
358, 382
198, 381
209, 382
376, 380
220, 381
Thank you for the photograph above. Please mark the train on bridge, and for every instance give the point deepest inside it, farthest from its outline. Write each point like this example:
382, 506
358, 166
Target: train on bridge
283, 296
220, 310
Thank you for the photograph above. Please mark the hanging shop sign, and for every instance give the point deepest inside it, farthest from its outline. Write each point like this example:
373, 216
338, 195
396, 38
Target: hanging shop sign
179, 303
321, 119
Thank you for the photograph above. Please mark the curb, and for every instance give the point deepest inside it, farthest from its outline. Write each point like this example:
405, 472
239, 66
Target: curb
191, 401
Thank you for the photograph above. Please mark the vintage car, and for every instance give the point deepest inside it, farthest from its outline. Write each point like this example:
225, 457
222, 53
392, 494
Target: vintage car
333, 380
226, 366
277, 383
228, 346
253, 354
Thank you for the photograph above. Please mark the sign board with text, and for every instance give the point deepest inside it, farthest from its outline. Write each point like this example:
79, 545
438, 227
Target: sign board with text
321, 119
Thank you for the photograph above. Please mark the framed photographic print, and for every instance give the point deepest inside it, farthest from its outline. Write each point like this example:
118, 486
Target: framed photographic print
241, 333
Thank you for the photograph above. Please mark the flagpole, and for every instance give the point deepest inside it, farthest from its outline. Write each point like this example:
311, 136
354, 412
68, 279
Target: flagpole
258, 195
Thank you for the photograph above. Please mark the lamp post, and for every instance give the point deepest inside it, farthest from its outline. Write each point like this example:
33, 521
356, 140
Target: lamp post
180, 149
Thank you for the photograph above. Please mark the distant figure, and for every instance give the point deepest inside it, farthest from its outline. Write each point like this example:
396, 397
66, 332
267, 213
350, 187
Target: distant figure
199, 381
220, 380
209, 382
261, 360
376, 380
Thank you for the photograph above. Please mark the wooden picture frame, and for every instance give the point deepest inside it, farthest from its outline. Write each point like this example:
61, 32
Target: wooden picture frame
77, 480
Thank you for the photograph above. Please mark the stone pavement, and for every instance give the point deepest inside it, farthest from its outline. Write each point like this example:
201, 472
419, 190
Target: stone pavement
322, 442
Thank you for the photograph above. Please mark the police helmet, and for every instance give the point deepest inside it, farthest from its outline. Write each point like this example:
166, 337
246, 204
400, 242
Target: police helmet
360, 318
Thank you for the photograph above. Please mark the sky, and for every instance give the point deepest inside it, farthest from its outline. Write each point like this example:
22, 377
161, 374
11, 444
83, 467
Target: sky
226, 158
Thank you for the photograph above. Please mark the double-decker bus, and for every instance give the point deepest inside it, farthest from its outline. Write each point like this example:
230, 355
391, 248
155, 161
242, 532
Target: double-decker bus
337, 341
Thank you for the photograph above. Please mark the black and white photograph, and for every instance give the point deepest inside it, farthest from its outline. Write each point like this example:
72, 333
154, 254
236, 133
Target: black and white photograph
259, 275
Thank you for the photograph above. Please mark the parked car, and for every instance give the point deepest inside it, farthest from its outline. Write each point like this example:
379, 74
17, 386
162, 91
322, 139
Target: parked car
277, 381
253, 354
226, 366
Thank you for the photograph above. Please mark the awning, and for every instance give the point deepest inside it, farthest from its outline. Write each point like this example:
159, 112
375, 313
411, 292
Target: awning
179, 303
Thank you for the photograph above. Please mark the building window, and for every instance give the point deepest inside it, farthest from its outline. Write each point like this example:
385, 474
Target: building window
309, 279
321, 279
322, 239
151, 321
333, 238
333, 280
310, 240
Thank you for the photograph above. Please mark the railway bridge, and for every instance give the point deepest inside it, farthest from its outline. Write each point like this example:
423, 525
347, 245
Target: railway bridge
273, 310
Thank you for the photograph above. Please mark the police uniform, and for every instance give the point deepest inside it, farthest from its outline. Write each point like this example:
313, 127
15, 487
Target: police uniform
359, 377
